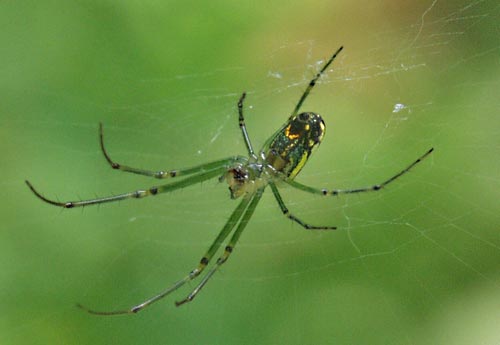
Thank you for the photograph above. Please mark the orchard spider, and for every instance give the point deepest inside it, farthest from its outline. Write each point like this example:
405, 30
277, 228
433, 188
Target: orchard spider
280, 160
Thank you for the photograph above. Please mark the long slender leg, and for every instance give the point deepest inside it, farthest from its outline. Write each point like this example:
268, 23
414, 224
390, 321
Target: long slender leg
226, 230
229, 248
162, 174
141, 193
287, 213
243, 127
375, 187
313, 82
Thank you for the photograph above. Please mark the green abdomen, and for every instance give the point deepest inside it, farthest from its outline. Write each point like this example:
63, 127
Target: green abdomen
289, 148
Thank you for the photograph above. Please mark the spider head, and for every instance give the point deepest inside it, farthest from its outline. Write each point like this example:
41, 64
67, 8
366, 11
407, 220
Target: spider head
237, 178
289, 149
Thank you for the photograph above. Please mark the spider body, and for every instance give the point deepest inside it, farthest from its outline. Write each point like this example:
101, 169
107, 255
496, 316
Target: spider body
281, 158
288, 150
284, 154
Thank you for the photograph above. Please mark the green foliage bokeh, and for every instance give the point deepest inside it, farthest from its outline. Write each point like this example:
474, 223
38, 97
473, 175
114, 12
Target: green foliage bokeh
416, 265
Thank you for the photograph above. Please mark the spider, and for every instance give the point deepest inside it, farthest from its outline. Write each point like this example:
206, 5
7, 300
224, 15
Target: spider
281, 158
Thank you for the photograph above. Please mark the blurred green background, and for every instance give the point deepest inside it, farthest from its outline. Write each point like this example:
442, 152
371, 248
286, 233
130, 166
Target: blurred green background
418, 263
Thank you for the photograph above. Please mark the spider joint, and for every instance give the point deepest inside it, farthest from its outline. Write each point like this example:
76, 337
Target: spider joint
139, 194
221, 260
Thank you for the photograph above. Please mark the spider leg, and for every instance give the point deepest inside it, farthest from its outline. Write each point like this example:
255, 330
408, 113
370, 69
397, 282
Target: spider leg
226, 230
313, 82
229, 248
287, 213
375, 187
161, 174
141, 193
243, 127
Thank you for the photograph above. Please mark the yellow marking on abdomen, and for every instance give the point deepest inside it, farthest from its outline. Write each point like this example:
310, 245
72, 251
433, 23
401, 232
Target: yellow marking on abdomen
300, 164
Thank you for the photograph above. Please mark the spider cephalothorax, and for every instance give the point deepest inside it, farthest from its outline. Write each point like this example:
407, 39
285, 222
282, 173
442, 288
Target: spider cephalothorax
237, 178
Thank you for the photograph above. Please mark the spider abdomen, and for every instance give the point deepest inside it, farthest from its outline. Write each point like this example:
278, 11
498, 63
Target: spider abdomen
288, 150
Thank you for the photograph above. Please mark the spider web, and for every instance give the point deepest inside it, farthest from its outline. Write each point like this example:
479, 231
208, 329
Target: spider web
417, 263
